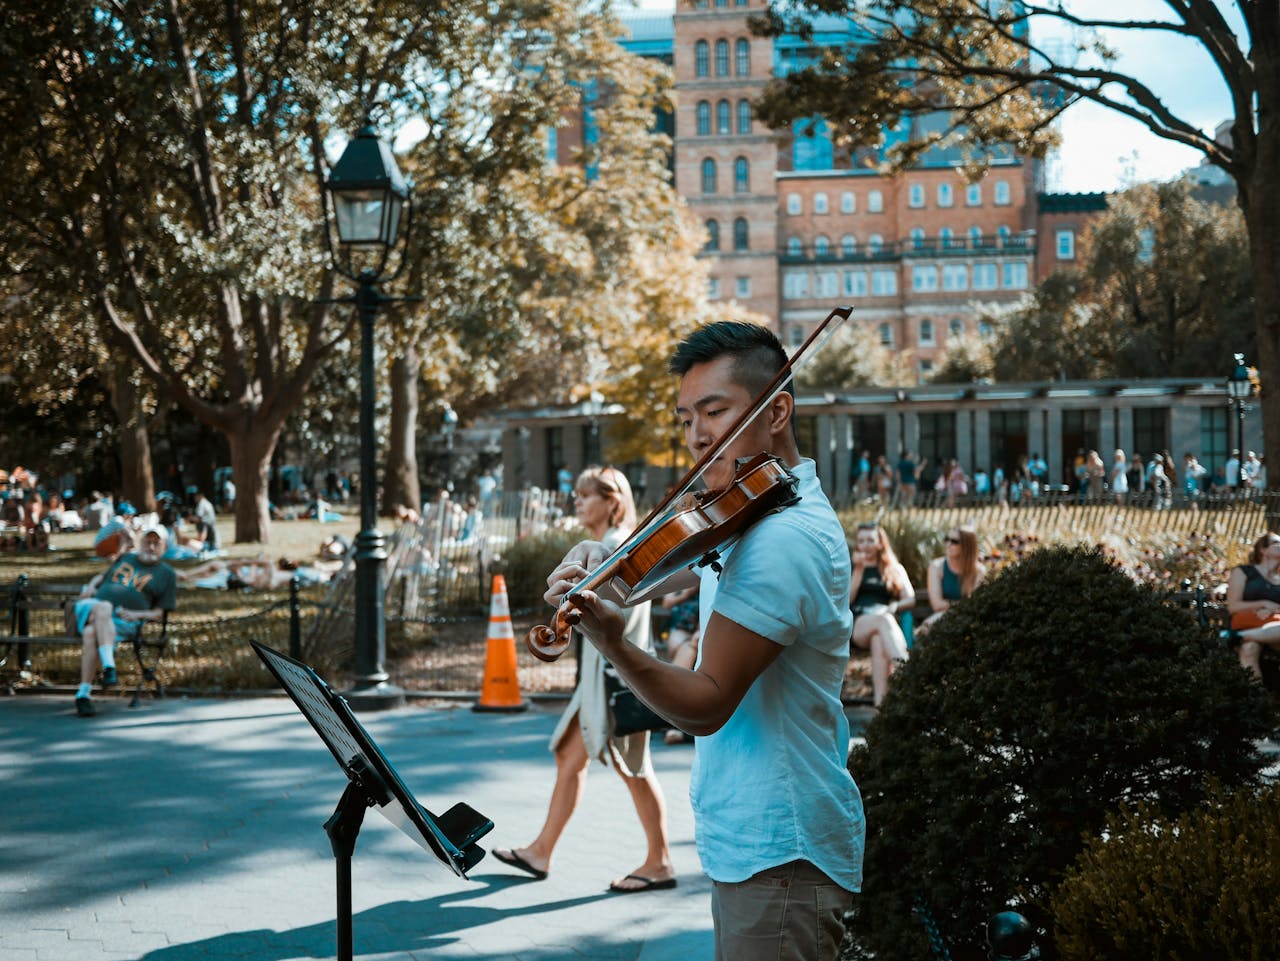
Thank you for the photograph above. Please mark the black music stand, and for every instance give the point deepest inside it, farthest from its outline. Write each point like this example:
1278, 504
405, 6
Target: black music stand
372, 782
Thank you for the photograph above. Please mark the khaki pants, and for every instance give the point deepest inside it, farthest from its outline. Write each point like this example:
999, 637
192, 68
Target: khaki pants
792, 912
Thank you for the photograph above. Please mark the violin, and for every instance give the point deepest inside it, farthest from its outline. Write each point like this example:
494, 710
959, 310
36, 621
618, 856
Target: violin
688, 529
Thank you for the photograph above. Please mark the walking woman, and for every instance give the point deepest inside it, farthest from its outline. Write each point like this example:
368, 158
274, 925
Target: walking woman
603, 504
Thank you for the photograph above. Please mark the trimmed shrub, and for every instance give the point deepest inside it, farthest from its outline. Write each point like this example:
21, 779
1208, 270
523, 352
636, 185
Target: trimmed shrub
1058, 691
1203, 886
526, 563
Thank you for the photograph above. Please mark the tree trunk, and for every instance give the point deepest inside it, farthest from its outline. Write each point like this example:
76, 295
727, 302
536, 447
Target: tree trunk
1262, 213
251, 448
400, 479
137, 484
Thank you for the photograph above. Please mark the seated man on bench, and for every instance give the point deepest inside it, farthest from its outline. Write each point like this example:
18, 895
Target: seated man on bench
137, 587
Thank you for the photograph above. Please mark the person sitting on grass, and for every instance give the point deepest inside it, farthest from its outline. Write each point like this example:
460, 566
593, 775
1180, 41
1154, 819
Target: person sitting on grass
953, 576
137, 587
255, 574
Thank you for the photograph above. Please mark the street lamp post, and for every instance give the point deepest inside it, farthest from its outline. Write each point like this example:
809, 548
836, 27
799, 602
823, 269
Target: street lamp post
1239, 387
369, 196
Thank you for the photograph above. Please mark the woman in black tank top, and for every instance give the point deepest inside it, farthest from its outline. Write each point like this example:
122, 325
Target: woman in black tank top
1253, 600
878, 589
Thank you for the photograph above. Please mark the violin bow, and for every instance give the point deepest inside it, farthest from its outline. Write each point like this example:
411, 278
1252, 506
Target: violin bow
812, 344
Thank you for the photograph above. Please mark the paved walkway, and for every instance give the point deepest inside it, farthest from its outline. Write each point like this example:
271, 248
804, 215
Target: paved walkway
193, 829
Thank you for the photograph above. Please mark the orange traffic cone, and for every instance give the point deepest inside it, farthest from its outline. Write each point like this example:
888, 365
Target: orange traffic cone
500, 690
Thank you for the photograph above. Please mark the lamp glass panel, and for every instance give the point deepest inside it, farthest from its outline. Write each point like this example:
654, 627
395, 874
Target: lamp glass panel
361, 216
395, 207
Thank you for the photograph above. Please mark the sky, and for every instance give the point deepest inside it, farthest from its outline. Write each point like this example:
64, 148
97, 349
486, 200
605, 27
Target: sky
1103, 150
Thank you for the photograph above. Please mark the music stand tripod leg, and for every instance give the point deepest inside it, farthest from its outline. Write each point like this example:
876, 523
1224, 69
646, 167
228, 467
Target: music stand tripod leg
342, 827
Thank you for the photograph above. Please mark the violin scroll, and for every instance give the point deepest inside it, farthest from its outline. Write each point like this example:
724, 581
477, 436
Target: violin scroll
548, 643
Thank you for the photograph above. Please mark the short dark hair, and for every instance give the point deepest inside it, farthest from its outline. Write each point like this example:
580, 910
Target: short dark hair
757, 352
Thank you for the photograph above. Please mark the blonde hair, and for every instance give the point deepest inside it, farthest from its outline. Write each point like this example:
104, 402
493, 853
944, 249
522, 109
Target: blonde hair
611, 484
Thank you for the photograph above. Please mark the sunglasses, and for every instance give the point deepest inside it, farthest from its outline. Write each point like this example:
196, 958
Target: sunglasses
953, 540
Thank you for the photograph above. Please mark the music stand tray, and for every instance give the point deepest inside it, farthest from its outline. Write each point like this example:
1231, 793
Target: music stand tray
372, 782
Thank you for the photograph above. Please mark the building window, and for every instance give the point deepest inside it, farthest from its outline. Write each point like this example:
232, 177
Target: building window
875, 243
740, 234
1214, 440
848, 202
855, 283
875, 202
917, 238
723, 127
741, 176
956, 328
915, 195
713, 288
713, 235
946, 239
722, 58
701, 59
795, 285
973, 195
884, 283
1066, 244
794, 205
985, 330
794, 247
744, 116
704, 118
820, 203
848, 245
955, 277
1150, 429
985, 276
708, 176
742, 58
742, 287
1015, 275
886, 335
821, 246
924, 279
975, 237
826, 284
1003, 196
945, 196
553, 145
926, 367
926, 333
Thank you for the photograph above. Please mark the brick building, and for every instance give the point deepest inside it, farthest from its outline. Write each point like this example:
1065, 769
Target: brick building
795, 225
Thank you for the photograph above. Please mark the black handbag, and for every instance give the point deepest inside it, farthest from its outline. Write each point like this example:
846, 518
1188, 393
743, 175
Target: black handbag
630, 714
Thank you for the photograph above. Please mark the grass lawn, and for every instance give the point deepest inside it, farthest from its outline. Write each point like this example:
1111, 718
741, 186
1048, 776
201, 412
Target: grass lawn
210, 629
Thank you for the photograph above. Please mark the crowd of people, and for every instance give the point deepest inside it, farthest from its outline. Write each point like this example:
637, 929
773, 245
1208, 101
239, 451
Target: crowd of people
1157, 481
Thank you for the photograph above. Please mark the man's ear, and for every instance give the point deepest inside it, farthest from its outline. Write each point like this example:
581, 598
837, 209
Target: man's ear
781, 409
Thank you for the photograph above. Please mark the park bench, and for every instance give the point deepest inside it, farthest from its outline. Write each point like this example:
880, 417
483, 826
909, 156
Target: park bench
46, 609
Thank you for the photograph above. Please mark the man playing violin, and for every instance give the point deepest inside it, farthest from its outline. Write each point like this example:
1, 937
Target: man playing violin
778, 819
